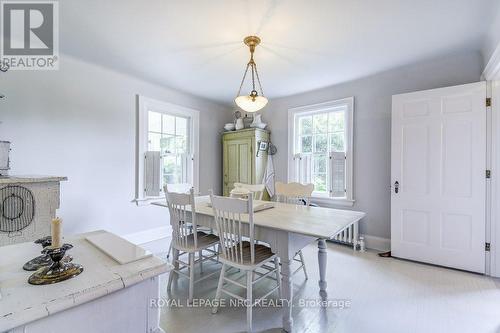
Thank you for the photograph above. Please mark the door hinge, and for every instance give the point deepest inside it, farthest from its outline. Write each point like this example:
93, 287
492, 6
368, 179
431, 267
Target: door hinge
488, 174
488, 102
487, 247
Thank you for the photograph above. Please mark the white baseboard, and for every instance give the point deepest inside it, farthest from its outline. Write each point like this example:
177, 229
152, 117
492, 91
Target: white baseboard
377, 243
149, 235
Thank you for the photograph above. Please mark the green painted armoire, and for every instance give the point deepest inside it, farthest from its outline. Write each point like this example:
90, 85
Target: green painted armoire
243, 162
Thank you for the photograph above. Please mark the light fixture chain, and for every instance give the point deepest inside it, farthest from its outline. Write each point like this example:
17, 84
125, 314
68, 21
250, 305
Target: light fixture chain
253, 76
243, 80
258, 81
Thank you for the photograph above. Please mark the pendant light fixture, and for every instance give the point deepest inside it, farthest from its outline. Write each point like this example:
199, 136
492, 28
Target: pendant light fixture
252, 102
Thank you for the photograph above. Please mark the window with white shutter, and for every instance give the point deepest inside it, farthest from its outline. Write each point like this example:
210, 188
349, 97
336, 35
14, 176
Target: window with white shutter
321, 150
168, 144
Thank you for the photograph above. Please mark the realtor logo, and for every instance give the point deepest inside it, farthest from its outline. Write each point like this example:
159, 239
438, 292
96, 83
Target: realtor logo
29, 37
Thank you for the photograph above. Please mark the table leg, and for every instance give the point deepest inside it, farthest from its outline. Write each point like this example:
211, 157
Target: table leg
322, 266
287, 294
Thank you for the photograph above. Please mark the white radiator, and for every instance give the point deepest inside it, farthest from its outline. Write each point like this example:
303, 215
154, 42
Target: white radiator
348, 236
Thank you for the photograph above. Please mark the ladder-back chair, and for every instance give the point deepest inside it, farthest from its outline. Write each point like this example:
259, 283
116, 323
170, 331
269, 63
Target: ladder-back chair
296, 194
187, 239
238, 249
256, 189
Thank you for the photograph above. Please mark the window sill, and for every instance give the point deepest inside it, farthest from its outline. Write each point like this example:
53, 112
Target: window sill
332, 202
147, 201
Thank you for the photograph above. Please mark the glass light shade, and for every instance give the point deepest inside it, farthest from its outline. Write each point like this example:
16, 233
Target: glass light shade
250, 103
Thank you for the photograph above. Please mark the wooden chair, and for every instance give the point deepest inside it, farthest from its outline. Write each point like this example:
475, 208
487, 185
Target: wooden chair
257, 189
188, 239
179, 188
240, 251
297, 194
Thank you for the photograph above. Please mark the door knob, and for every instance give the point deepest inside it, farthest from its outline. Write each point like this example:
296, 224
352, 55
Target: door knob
396, 187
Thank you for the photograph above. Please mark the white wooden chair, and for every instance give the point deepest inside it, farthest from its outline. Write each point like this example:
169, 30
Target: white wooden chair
257, 189
188, 239
179, 188
297, 194
239, 250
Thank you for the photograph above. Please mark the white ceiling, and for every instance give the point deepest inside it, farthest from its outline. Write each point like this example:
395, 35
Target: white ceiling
196, 46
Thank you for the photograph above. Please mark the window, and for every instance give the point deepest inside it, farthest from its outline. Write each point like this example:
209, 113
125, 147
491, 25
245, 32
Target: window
320, 149
169, 135
167, 147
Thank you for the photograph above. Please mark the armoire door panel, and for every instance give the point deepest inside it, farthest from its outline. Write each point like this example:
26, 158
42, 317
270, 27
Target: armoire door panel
244, 162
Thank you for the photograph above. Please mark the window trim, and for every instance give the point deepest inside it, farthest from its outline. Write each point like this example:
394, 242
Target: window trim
145, 104
292, 129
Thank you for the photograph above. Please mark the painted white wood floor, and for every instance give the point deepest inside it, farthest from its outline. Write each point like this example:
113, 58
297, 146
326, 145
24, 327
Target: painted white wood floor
386, 295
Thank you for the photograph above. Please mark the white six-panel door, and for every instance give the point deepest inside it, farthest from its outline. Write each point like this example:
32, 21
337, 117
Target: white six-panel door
439, 164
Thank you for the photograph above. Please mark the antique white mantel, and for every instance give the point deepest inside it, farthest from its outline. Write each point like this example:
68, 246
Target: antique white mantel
106, 297
45, 191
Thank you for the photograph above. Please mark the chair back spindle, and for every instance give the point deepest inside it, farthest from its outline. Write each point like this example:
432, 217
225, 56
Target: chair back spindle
183, 223
229, 213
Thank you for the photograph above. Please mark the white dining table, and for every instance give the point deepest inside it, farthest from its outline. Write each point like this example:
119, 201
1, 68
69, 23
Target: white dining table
287, 229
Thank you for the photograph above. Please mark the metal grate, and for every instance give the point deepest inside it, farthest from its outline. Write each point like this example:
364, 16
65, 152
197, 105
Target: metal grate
17, 208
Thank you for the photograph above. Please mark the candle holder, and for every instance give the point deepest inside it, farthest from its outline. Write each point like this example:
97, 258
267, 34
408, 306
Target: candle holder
43, 260
59, 270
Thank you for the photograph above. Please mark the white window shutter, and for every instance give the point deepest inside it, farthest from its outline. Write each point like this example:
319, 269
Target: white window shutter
187, 167
297, 167
306, 177
303, 168
152, 173
337, 174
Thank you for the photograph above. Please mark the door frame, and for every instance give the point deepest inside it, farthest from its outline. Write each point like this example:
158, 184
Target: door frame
493, 204
492, 75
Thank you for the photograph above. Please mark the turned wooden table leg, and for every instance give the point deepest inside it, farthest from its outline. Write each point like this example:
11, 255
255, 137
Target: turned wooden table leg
287, 294
322, 266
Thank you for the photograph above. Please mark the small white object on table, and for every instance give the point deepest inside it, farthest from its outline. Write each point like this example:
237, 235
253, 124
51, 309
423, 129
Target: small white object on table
106, 297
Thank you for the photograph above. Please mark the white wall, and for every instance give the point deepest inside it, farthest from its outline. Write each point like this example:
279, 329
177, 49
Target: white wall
79, 122
492, 37
372, 125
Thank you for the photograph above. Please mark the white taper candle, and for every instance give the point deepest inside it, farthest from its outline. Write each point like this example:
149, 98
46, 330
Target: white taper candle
56, 231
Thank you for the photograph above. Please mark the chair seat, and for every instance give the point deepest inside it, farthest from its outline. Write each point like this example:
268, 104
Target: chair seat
262, 253
204, 240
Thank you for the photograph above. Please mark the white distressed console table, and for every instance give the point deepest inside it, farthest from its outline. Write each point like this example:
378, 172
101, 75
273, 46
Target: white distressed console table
106, 297
288, 229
